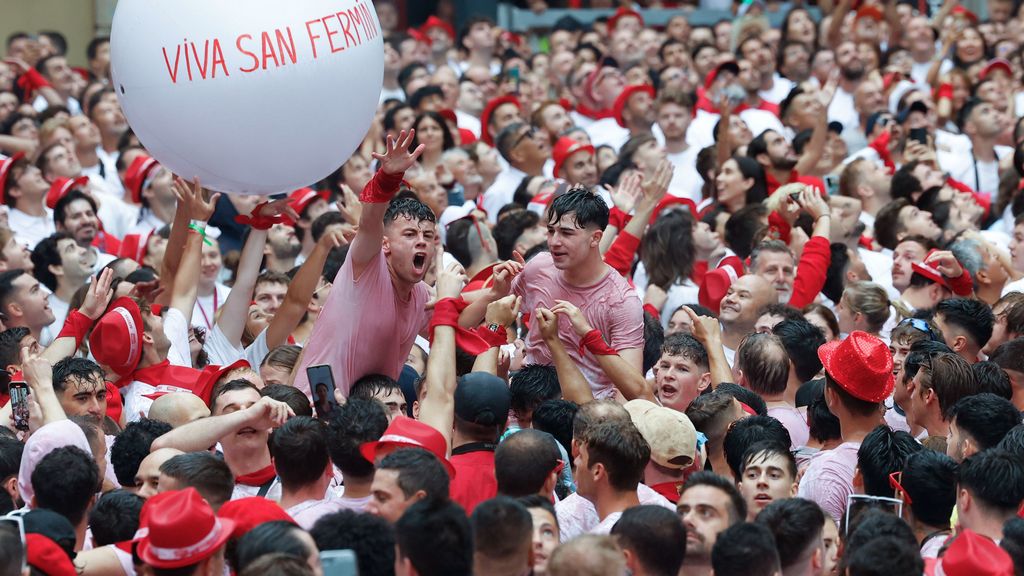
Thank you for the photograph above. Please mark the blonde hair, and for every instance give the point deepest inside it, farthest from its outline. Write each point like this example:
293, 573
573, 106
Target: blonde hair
869, 299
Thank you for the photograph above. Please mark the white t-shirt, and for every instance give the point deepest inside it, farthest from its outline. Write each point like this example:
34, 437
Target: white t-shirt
501, 192
966, 168
221, 352
680, 293
60, 311
204, 314
779, 90
686, 181
28, 229
607, 132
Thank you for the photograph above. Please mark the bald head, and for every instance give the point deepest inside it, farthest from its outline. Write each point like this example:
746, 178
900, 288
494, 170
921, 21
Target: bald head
743, 302
147, 479
178, 408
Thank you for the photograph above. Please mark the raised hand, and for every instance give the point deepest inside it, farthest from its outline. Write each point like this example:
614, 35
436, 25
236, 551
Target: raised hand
267, 413
397, 158
656, 187
547, 321
504, 273
504, 311
351, 208
279, 207
813, 203
706, 329
946, 263
627, 193
575, 315
98, 295
194, 199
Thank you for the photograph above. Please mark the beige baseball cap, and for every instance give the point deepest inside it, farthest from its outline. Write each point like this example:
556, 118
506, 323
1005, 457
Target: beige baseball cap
671, 435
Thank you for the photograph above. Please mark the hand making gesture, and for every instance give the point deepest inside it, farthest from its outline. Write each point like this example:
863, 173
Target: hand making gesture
397, 158
195, 200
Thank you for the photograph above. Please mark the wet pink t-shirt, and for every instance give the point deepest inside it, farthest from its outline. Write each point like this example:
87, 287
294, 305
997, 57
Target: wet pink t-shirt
610, 305
364, 327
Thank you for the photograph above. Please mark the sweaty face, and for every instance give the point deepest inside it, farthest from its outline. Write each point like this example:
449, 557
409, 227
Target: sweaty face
779, 270
905, 254
705, 513
569, 244
764, 480
388, 501
85, 397
409, 248
678, 380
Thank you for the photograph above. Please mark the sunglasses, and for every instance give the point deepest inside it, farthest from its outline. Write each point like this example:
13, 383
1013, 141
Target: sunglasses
17, 523
858, 503
528, 134
901, 493
921, 326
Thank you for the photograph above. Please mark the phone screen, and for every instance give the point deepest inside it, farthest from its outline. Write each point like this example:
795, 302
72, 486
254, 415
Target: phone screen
321, 382
19, 404
831, 184
339, 563
919, 134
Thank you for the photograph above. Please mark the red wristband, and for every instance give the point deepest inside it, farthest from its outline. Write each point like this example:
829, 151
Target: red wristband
492, 338
258, 221
76, 326
31, 81
381, 188
650, 309
594, 342
944, 91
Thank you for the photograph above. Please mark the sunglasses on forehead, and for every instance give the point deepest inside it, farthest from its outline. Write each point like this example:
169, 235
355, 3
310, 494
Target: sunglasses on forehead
16, 524
921, 326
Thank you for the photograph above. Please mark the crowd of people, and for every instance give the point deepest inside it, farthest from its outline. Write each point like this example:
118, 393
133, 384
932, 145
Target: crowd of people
602, 299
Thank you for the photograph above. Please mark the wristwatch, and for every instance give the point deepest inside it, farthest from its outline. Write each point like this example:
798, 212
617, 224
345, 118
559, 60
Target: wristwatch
496, 328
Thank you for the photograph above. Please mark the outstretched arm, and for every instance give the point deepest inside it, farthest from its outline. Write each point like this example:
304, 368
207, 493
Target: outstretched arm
75, 326
201, 434
375, 198
438, 406
575, 387
199, 209
301, 289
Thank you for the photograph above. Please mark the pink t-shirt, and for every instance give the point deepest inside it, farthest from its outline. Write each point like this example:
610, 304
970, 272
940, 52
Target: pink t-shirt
829, 478
577, 515
610, 305
307, 513
364, 327
795, 422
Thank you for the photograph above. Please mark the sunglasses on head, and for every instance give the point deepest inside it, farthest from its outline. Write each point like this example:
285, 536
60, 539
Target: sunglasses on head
921, 326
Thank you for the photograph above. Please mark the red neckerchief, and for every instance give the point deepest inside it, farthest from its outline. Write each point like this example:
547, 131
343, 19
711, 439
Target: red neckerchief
594, 114
669, 490
257, 478
163, 373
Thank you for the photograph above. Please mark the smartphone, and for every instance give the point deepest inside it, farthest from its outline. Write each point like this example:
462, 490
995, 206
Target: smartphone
19, 404
321, 382
919, 134
339, 563
513, 75
831, 184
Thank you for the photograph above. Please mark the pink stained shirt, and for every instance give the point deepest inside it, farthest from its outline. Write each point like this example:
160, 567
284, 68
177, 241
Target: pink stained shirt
829, 478
610, 306
795, 423
365, 327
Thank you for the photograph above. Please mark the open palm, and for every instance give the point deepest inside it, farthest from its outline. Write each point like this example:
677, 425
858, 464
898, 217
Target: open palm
397, 158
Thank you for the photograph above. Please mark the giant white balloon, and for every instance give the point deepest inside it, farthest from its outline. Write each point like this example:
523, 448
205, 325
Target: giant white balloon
251, 96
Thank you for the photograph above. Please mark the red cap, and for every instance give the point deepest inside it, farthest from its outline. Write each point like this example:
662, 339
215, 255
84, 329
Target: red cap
435, 22
248, 513
60, 188
211, 374
134, 246
5, 168
623, 99
512, 38
404, 432
564, 148
931, 273
300, 199
714, 286
959, 10
419, 36
613, 20
116, 339
869, 11
971, 554
861, 364
996, 64
485, 116
449, 115
181, 529
47, 557
136, 175
729, 65
466, 136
